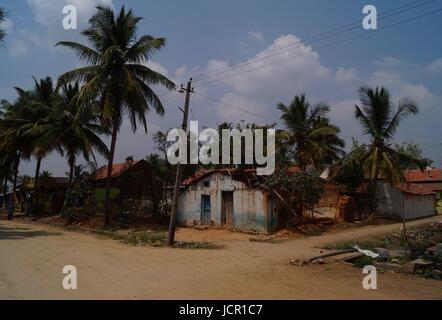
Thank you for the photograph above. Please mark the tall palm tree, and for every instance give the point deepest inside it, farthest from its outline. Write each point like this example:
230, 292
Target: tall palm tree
116, 75
17, 118
75, 128
315, 141
43, 102
2, 19
380, 121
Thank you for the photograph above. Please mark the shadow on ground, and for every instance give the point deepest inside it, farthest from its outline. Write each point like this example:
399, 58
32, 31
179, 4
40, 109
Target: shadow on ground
16, 233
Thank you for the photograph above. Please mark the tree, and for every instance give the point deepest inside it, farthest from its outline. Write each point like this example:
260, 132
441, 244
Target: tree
300, 190
75, 127
45, 174
116, 75
43, 103
2, 19
314, 140
415, 152
378, 120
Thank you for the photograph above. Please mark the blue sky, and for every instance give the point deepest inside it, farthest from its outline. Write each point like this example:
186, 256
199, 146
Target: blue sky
205, 35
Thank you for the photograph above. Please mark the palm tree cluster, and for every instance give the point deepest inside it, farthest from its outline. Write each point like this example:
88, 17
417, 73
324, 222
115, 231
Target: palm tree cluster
71, 116
313, 143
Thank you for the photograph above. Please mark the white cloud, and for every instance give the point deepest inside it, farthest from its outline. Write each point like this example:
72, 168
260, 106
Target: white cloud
346, 76
50, 14
155, 66
7, 25
257, 36
17, 48
435, 67
276, 71
400, 88
235, 108
181, 71
388, 62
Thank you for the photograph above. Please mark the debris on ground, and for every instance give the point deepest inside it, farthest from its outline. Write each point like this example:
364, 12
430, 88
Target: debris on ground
421, 254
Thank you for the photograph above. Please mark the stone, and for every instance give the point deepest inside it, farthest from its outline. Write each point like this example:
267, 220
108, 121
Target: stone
390, 254
388, 266
157, 243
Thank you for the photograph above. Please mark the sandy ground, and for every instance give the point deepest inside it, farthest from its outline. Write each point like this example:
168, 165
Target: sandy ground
32, 258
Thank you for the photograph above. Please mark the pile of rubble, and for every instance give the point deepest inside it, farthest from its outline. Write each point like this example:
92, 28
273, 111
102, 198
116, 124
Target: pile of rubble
423, 255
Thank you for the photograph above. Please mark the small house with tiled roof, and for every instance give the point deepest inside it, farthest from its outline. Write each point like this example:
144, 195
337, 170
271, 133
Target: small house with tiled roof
228, 198
129, 180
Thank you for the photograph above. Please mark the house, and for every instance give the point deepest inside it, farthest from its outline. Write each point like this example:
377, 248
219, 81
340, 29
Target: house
129, 180
409, 201
227, 198
431, 178
52, 191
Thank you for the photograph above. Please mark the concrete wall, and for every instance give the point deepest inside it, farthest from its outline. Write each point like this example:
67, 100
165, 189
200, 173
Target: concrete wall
250, 209
390, 201
250, 206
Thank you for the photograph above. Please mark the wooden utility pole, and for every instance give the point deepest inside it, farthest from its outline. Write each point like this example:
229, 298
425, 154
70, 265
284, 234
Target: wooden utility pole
176, 190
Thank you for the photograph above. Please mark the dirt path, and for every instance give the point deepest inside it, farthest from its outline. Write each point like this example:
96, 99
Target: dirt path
32, 258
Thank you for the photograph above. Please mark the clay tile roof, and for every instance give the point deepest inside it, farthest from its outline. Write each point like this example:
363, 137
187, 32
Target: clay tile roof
427, 175
417, 189
117, 170
294, 169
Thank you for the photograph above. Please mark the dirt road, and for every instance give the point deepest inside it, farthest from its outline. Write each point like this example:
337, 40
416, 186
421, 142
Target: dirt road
32, 258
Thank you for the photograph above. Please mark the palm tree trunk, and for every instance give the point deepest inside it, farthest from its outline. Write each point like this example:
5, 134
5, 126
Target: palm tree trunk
35, 199
14, 181
107, 207
5, 186
67, 196
71, 170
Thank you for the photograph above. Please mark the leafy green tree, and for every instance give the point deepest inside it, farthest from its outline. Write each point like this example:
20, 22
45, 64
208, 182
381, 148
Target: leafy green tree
116, 75
314, 139
300, 190
415, 152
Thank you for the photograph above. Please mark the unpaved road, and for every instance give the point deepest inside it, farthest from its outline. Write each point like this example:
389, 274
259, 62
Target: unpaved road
32, 258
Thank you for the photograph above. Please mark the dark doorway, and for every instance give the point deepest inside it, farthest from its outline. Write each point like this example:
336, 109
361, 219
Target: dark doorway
227, 208
205, 210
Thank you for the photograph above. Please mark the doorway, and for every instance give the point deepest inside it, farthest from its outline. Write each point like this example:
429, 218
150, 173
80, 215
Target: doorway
227, 208
205, 210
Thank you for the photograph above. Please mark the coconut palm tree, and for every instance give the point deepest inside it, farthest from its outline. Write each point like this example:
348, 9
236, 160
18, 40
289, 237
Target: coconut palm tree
2, 19
116, 75
75, 128
16, 119
43, 104
314, 139
379, 120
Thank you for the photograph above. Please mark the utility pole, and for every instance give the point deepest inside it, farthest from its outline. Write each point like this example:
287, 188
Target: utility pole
176, 190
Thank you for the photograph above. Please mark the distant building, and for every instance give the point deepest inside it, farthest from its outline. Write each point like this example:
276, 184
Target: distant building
409, 201
129, 180
431, 178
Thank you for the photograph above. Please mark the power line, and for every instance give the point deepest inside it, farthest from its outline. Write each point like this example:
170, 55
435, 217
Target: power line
325, 46
234, 107
309, 40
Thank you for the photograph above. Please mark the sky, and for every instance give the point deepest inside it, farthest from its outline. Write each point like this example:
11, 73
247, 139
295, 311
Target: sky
272, 39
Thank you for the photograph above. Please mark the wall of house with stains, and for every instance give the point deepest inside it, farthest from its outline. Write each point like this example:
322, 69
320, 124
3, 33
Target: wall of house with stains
251, 207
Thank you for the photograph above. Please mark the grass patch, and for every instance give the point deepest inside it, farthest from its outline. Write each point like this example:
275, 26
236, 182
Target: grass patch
196, 245
146, 238
363, 244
